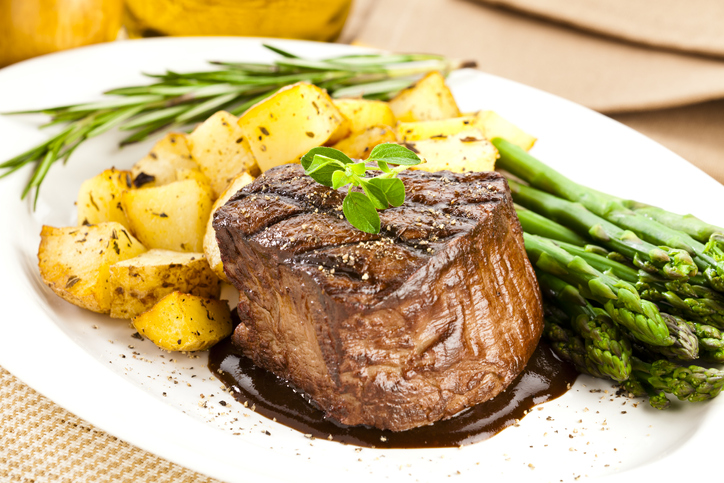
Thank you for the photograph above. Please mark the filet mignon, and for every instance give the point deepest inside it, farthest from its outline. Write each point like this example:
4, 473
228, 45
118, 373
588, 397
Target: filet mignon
438, 312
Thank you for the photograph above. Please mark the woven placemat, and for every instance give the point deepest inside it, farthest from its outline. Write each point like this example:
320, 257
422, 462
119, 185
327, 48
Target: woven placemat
42, 442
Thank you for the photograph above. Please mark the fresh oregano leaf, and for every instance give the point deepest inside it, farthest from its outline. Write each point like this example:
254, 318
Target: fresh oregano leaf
357, 168
391, 153
322, 168
393, 189
383, 166
325, 151
360, 212
375, 194
340, 178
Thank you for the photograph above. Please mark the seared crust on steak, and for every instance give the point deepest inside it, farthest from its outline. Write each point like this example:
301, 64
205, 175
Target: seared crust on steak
438, 312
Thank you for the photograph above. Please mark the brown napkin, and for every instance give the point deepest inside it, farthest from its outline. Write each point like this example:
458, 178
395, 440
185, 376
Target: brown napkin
611, 75
692, 26
604, 74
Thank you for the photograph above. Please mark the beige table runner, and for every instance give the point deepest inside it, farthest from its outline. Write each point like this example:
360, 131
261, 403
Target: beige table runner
42, 442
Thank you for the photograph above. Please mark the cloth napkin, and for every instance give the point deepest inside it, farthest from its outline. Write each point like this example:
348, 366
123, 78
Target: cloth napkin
653, 78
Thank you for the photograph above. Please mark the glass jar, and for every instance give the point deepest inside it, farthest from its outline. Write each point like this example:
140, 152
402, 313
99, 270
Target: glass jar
299, 19
34, 27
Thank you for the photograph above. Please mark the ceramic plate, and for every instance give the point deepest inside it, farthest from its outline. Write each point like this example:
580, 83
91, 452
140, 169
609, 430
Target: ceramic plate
91, 365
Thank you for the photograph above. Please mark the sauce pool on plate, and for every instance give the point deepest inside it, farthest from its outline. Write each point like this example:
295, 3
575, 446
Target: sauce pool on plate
544, 378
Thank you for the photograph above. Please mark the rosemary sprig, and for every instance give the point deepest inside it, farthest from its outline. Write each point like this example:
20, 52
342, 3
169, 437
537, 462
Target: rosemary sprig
178, 100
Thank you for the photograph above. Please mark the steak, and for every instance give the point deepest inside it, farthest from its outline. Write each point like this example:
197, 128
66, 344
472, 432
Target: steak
438, 312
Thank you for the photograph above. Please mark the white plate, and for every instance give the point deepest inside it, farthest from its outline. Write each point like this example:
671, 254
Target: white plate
153, 400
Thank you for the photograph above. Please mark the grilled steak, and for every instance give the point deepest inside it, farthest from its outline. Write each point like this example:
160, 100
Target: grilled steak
438, 312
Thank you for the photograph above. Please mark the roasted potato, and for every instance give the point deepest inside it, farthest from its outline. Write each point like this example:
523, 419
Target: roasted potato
161, 164
363, 114
75, 261
416, 131
99, 198
172, 217
221, 150
283, 127
465, 151
360, 144
211, 247
428, 100
493, 126
139, 282
183, 322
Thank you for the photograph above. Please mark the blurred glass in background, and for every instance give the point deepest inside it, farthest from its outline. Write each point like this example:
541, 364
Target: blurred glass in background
29, 28
296, 19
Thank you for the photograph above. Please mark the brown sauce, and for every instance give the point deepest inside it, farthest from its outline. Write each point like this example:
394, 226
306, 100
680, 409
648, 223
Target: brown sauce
544, 378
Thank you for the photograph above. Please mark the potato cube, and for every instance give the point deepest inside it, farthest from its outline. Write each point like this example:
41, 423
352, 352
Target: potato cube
221, 150
211, 246
171, 216
493, 126
183, 322
160, 165
139, 282
283, 127
75, 261
360, 144
99, 198
416, 131
459, 153
428, 100
363, 113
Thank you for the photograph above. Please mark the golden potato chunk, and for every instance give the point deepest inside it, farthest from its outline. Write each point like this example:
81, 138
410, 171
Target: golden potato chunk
160, 165
416, 131
211, 246
99, 198
75, 261
462, 152
360, 144
183, 322
221, 150
139, 282
285, 126
172, 217
428, 100
363, 113
494, 126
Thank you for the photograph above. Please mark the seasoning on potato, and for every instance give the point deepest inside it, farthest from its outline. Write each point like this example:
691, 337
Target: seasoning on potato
183, 322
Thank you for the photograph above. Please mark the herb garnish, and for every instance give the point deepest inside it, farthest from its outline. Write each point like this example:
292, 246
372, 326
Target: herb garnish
333, 168
177, 100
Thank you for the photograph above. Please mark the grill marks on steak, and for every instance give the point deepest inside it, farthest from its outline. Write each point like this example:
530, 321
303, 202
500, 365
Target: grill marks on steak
436, 313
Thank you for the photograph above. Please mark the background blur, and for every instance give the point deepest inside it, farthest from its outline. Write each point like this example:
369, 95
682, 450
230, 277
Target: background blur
655, 65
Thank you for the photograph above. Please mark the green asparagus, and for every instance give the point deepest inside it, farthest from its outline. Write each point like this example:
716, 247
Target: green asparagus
620, 299
605, 346
610, 208
667, 262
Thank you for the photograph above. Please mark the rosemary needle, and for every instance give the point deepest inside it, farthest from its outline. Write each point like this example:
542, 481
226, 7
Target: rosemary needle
179, 100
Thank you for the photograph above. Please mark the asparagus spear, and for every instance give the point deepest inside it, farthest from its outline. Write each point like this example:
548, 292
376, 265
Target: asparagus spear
667, 262
536, 224
606, 348
638, 386
620, 299
689, 224
692, 383
686, 345
569, 346
699, 303
608, 207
